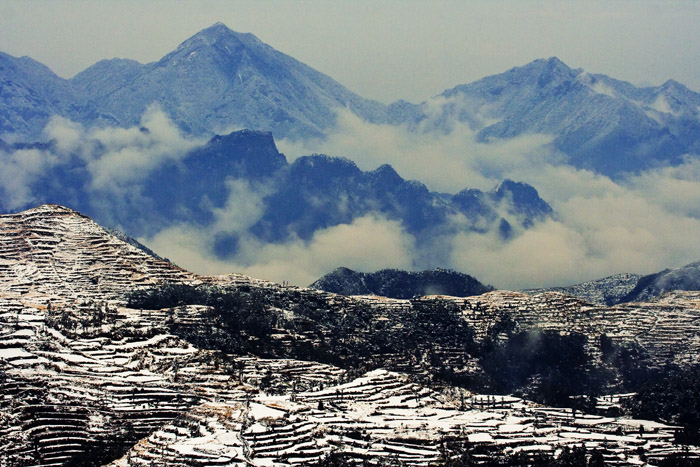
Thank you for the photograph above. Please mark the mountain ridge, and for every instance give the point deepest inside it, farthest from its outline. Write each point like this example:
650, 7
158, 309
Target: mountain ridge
219, 79
112, 356
294, 200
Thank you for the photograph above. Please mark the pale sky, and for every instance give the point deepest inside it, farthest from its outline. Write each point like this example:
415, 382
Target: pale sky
385, 50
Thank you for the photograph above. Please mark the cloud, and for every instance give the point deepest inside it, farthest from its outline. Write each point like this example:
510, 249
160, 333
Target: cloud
445, 162
18, 171
67, 135
642, 223
368, 243
127, 155
118, 157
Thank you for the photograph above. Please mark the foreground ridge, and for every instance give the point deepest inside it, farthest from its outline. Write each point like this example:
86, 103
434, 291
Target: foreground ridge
90, 376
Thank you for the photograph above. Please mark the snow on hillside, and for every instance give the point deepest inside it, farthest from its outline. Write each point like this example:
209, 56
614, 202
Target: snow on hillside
85, 377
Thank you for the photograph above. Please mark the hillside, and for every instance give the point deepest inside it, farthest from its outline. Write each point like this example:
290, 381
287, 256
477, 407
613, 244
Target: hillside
606, 291
393, 283
654, 285
109, 352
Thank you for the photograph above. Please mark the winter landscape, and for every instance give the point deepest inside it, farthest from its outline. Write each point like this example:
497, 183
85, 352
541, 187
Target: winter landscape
223, 256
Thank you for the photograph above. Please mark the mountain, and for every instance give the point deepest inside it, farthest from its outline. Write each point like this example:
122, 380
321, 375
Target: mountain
215, 81
52, 250
655, 285
30, 93
394, 283
601, 124
220, 79
624, 288
109, 355
517, 198
291, 200
606, 291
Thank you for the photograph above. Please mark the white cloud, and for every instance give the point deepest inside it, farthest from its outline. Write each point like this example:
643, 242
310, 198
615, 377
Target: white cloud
643, 223
127, 155
18, 171
444, 162
368, 243
68, 135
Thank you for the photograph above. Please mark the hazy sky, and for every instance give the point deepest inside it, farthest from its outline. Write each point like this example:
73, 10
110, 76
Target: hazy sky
384, 50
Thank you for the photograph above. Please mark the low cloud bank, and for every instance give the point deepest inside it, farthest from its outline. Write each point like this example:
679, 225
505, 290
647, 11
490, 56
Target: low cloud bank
118, 158
642, 223
368, 243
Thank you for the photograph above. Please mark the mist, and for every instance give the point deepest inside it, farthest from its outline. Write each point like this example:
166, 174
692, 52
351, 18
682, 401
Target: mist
641, 223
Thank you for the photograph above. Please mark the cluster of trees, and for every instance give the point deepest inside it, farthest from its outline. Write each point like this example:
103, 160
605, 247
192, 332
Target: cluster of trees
432, 336
459, 456
671, 395
544, 365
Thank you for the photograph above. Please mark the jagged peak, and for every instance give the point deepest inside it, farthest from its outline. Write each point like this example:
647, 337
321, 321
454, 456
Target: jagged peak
510, 185
674, 86
245, 133
216, 33
386, 173
323, 159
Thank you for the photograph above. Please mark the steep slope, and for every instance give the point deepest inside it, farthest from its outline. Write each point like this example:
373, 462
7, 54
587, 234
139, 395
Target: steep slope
393, 283
30, 93
218, 80
54, 251
655, 285
177, 371
606, 291
604, 125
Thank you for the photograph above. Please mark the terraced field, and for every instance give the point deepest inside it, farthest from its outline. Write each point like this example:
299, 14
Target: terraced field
87, 380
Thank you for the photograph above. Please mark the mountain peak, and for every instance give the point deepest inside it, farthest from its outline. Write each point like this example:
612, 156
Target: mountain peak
212, 35
215, 31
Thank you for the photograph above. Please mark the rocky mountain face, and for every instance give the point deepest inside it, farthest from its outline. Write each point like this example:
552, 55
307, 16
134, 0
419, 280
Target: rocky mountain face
606, 291
219, 80
655, 285
601, 124
108, 354
293, 200
624, 288
394, 283
29, 94
215, 81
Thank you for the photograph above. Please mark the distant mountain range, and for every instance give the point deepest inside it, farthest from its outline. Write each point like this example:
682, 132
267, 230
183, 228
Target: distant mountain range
395, 283
215, 81
219, 80
602, 124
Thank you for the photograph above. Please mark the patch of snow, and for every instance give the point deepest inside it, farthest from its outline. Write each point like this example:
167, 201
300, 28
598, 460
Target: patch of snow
662, 105
14, 353
260, 411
